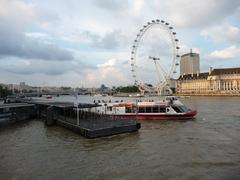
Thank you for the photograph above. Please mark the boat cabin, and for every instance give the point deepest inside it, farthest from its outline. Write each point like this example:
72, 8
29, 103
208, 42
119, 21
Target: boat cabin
146, 107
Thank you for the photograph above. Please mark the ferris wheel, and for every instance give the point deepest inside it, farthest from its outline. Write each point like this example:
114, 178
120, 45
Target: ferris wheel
159, 60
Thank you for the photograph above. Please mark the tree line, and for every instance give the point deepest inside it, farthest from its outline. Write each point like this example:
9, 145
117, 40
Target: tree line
126, 89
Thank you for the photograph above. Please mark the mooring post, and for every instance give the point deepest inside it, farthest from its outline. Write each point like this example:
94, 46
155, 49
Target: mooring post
77, 116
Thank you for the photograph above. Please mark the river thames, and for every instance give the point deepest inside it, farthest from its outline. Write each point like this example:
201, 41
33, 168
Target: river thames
207, 147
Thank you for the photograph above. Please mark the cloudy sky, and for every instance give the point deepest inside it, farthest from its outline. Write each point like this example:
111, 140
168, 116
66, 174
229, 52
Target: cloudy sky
77, 42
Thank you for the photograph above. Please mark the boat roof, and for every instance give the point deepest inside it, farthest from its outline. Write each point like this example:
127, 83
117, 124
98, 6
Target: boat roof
165, 102
152, 103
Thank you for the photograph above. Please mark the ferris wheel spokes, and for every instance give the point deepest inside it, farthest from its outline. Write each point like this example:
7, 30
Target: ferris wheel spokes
161, 74
160, 80
162, 70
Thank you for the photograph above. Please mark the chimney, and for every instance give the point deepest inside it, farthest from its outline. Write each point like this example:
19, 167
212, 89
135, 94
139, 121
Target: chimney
210, 70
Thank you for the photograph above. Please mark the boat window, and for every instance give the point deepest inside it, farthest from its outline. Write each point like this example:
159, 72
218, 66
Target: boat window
109, 108
5, 110
134, 109
128, 110
148, 109
155, 109
171, 98
162, 109
177, 109
141, 110
183, 108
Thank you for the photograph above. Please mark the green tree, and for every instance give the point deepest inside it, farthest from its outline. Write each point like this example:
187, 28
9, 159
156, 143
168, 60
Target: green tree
4, 92
127, 89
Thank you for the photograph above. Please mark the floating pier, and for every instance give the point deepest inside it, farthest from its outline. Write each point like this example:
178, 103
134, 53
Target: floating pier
83, 119
15, 112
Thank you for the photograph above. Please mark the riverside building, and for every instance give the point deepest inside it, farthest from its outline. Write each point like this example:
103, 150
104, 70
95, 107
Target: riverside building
189, 63
215, 82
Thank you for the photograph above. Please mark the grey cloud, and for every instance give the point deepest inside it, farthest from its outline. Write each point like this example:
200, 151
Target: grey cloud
125, 62
223, 33
237, 13
44, 67
15, 43
112, 4
110, 40
197, 14
156, 43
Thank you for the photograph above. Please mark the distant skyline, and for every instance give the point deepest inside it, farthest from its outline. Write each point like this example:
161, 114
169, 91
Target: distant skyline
76, 42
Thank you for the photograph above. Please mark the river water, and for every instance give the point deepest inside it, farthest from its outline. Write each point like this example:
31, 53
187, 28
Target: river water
205, 148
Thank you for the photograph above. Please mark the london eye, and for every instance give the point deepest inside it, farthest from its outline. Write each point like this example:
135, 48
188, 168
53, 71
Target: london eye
154, 57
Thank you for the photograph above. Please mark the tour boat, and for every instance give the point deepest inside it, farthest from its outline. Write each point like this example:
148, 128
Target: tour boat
170, 108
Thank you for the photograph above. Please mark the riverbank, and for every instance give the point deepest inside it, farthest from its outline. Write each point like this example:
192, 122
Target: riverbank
218, 95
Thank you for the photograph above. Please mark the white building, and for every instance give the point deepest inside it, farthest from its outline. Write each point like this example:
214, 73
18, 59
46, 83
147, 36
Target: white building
215, 82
